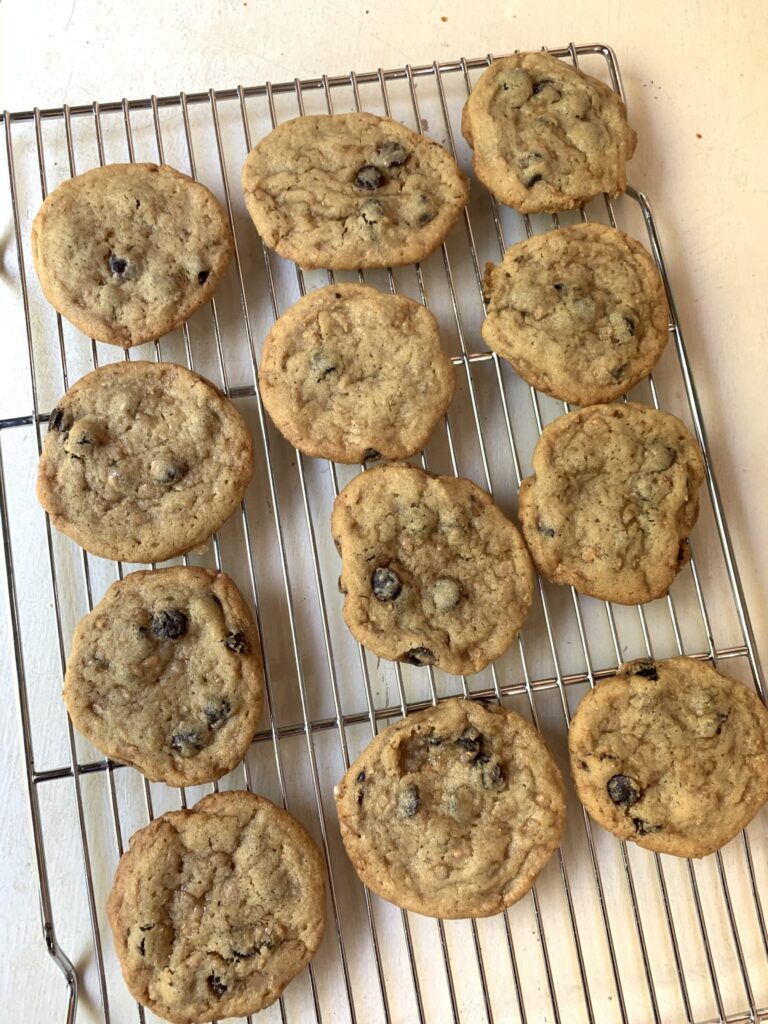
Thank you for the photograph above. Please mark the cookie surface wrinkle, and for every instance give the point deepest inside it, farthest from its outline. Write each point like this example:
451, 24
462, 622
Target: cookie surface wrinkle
215, 909
143, 461
349, 370
432, 571
453, 811
346, 191
127, 252
155, 680
675, 760
580, 313
613, 497
545, 136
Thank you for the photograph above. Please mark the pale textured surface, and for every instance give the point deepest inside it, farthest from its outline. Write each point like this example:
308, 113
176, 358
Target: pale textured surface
613, 497
453, 811
349, 371
143, 461
686, 748
462, 583
127, 252
304, 189
580, 312
216, 909
165, 674
545, 135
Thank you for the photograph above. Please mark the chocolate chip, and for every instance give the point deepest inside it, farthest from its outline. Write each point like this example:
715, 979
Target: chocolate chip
631, 325
361, 791
617, 373
492, 774
544, 530
386, 584
423, 210
371, 455
56, 419
392, 154
530, 182
420, 656
203, 276
369, 178
434, 741
361, 776
321, 365
644, 828
169, 624
216, 985
165, 472
216, 714
371, 210
722, 718
558, 286
623, 790
541, 84
408, 802
117, 265
470, 740
140, 947
146, 927
236, 642
187, 742
646, 669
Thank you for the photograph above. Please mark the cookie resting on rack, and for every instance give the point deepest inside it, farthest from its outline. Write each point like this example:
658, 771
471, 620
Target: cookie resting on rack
671, 755
143, 461
346, 191
214, 910
432, 571
580, 313
165, 674
613, 497
453, 811
545, 136
128, 252
350, 374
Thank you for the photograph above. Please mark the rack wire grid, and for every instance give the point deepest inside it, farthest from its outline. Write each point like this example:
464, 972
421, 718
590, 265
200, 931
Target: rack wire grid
609, 932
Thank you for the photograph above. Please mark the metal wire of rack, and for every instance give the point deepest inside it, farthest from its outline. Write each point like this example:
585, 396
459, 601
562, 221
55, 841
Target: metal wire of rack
609, 932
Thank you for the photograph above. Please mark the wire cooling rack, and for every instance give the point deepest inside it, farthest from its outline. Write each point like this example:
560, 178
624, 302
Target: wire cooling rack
609, 932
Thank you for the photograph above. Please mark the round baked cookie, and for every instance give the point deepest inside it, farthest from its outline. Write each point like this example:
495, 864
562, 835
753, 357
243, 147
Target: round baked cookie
350, 373
613, 497
165, 674
346, 191
143, 461
671, 755
453, 811
580, 313
546, 136
128, 252
215, 909
433, 571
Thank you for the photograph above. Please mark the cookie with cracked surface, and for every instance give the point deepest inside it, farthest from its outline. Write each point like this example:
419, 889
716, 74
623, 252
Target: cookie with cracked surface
671, 755
143, 461
214, 910
580, 313
345, 191
165, 674
128, 252
453, 811
350, 373
433, 571
613, 497
546, 136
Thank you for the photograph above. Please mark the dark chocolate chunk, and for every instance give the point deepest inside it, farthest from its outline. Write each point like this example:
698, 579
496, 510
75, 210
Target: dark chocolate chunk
361, 776
541, 84
169, 624
424, 209
171, 474
631, 325
216, 985
544, 530
371, 210
187, 742
408, 802
530, 182
56, 419
623, 790
140, 947
117, 265
617, 372
203, 276
558, 286
236, 642
386, 584
646, 669
491, 773
644, 828
420, 656
392, 154
216, 713
369, 178
470, 740
371, 455
321, 365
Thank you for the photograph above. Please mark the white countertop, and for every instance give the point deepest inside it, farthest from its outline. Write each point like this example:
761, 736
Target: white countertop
696, 81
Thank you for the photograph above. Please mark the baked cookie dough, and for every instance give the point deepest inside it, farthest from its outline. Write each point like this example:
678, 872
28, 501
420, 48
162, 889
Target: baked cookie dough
345, 191
143, 461
433, 571
613, 497
545, 136
453, 811
128, 252
165, 674
215, 909
350, 373
581, 313
671, 755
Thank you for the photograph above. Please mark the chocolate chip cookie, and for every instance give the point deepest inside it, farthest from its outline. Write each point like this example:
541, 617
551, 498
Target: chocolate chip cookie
671, 755
612, 500
128, 252
453, 811
165, 674
433, 571
215, 909
345, 191
546, 136
350, 373
581, 313
143, 461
